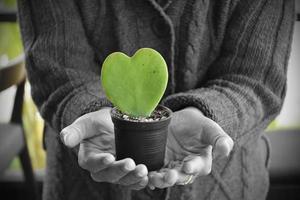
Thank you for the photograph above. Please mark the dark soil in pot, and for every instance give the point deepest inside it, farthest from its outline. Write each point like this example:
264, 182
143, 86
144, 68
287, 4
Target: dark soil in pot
142, 139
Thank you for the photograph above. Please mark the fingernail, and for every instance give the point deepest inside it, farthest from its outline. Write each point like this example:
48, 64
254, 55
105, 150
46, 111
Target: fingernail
222, 147
128, 167
70, 136
62, 136
71, 139
139, 174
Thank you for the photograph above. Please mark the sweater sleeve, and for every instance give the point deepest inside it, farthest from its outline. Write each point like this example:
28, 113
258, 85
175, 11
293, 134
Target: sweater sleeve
61, 65
246, 84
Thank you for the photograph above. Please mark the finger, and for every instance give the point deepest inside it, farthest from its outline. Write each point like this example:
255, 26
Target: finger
183, 178
85, 127
115, 171
94, 162
156, 180
134, 176
73, 134
214, 135
139, 185
223, 146
198, 165
162, 179
167, 179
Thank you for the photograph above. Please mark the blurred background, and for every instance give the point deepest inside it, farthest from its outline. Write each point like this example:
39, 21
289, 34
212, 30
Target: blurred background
22, 157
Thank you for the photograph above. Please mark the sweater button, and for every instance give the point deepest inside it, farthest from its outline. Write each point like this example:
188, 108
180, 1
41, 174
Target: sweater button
160, 27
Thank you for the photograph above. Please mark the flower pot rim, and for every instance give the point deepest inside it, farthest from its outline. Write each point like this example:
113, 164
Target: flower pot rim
169, 111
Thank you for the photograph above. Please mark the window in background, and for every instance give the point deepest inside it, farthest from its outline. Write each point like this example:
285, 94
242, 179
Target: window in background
289, 117
290, 114
10, 48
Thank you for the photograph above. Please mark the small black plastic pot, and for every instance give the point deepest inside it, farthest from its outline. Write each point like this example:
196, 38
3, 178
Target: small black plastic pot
144, 142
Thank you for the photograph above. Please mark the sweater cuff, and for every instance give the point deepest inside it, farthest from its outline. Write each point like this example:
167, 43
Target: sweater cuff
79, 105
211, 103
96, 105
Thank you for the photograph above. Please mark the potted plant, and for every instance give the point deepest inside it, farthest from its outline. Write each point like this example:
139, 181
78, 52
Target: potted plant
135, 86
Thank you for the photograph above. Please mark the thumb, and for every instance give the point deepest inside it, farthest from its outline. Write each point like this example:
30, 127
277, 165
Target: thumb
221, 142
79, 130
86, 126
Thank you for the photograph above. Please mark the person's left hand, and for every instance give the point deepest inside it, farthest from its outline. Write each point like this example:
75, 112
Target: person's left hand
193, 140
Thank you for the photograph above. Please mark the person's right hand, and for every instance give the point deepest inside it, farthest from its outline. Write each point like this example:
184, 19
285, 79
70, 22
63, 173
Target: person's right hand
95, 134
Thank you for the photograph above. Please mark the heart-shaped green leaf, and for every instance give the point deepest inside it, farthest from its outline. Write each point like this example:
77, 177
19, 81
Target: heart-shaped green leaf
135, 84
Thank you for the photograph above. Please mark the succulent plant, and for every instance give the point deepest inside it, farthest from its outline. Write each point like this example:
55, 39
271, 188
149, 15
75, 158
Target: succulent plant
135, 85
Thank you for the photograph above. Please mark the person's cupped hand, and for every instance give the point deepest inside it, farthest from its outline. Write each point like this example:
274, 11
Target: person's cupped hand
193, 141
94, 134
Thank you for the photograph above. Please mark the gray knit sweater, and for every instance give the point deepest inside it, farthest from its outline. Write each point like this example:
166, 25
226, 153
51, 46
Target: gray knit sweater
228, 58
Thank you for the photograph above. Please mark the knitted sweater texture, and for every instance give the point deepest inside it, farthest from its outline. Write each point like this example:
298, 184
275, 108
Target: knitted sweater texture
227, 58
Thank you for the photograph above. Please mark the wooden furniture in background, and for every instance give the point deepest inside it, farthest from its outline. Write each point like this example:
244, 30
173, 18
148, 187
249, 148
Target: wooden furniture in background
12, 137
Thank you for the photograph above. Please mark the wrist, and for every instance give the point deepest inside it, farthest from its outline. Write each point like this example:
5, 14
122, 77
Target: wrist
193, 110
